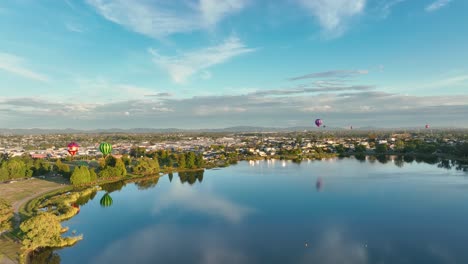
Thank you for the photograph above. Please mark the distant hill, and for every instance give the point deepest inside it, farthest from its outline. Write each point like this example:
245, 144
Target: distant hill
235, 129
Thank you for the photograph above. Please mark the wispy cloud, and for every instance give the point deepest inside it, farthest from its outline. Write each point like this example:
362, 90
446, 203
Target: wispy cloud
360, 107
331, 74
16, 65
160, 18
214, 10
205, 203
334, 15
74, 27
313, 90
183, 66
161, 94
438, 4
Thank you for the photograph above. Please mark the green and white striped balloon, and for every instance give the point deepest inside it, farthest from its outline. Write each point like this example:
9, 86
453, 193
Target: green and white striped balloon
105, 148
106, 200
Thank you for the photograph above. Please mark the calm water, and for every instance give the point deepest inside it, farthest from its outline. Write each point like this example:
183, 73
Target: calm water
333, 211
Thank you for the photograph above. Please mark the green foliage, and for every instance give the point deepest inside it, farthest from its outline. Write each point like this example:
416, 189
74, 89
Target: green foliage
200, 162
146, 166
108, 172
359, 148
112, 167
399, 145
340, 148
81, 175
181, 161
126, 160
6, 215
137, 152
381, 148
190, 160
62, 168
43, 230
92, 175
120, 167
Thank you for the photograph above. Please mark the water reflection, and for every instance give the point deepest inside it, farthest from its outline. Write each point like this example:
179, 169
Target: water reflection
45, 256
147, 184
113, 186
333, 248
192, 200
169, 244
191, 176
318, 184
243, 218
106, 200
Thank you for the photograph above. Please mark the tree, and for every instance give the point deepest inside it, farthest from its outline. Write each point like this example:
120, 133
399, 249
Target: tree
6, 215
359, 148
399, 145
199, 161
120, 167
126, 160
381, 148
92, 175
181, 161
190, 160
43, 230
137, 152
146, 166
63, 169
340, 149
80, 176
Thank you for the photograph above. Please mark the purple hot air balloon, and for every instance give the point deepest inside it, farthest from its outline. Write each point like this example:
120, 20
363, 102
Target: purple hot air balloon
318, 122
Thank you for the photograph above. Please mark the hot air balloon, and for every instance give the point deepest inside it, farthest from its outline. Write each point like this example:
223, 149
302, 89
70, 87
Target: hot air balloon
427, 126
73, 148
318, 122
106, 200
105, 148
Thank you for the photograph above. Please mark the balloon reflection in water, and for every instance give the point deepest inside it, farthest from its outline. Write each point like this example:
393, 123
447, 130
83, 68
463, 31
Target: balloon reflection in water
106, 200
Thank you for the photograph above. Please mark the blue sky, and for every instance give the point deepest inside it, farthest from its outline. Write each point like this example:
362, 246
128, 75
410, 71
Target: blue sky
219, 63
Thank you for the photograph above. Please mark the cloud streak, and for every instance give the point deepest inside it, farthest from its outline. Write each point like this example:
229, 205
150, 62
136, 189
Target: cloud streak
331, 74
159, 18
361, 107
16, 65
438, 4
334, 15
180, 68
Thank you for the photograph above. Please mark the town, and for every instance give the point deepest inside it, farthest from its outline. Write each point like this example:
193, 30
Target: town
218, 146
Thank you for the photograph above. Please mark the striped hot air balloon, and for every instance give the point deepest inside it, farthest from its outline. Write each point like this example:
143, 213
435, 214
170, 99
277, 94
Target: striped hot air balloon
106, 200
72, 148
105, 148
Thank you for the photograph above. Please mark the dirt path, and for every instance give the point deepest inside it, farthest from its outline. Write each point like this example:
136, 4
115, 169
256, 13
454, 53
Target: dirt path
18, 204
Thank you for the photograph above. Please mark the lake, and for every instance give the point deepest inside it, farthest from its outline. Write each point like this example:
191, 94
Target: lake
329, 211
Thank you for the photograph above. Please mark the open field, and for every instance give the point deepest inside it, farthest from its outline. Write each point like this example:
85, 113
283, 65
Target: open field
18, 193
21, 191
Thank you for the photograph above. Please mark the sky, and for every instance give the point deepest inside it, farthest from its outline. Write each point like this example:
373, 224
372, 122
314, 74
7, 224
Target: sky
195, 64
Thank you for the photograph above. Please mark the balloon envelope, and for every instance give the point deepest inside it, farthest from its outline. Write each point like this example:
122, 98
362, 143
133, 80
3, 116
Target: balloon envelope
427, 126
73, 148
106, 200
105, 148
318, 122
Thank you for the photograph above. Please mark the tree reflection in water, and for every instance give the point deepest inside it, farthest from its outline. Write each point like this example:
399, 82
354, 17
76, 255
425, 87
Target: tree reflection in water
191, 176
147, 184
44, 256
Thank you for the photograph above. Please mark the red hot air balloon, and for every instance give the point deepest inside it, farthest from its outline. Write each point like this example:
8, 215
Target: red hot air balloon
318, 122
427, 126
73, 148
